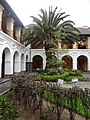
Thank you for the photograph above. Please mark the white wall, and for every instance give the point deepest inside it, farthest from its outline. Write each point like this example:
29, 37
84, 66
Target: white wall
11, 46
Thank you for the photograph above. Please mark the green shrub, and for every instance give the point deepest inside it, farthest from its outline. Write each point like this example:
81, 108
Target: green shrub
72, 73
8, 110
39, 71
64, 75
52, 78
77, 87
51, 71
69, 78
82, 78
78, 72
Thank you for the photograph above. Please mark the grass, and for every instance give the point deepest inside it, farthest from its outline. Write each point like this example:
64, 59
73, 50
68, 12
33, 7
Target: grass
69, 82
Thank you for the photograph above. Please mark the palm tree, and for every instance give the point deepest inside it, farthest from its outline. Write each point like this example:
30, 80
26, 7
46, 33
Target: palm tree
50, 29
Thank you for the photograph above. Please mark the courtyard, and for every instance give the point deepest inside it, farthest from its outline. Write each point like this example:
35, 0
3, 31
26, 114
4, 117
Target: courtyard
32, 61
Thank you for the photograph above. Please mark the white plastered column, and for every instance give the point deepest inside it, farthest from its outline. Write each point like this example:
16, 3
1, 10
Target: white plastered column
18, 33
22, 62
19, 65
1, 12
11, 72
74, 63
88, 63
10, 26
88, 42
0, 64
0, 61
44, 62
59, 45
75, 45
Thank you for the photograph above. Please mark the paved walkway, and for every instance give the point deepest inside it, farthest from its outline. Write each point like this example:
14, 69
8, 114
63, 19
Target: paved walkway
5, 85
86, 74
82, 85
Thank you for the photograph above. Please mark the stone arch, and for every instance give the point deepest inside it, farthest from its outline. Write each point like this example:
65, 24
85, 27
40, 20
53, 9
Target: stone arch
82, 63
22, 62
16, 62
68, 62
6, 62
37, 62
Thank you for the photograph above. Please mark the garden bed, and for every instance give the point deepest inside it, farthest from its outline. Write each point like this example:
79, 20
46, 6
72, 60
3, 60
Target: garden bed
41, 99
28, 115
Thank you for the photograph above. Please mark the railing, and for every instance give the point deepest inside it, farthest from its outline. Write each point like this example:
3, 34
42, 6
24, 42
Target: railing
5, 85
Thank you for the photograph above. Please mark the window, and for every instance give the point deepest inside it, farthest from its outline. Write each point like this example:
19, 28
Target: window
82, 43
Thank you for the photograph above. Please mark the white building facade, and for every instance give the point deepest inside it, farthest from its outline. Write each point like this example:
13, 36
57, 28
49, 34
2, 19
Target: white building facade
76, 56
13, 55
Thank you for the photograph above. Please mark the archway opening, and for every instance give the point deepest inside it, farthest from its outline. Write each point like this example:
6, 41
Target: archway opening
68, 62
3, 65
27, 63
22, 62
82, 63
6, 62
37, 62
16, 62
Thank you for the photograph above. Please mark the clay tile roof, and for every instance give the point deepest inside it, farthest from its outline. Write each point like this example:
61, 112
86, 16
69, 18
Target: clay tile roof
10, 11
84, 30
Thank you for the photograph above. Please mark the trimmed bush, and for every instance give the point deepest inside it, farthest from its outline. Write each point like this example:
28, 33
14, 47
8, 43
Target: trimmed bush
52, 78
72, 73
82, 78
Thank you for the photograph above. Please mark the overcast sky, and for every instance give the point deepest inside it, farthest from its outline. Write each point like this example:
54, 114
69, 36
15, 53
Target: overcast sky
79, 10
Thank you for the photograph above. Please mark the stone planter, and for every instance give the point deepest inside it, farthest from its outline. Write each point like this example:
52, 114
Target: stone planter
74, 80
60, 81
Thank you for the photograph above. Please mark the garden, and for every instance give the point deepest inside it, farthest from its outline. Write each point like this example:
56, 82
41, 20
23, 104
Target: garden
43, 100
52, 75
